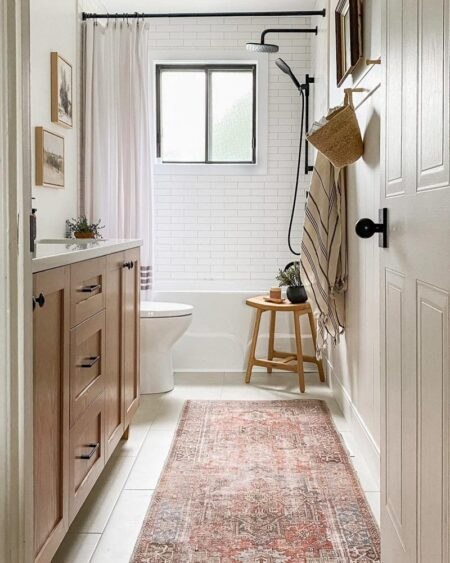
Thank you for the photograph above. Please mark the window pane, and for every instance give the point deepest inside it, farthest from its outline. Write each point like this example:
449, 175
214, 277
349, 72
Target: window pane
183, 117
231, 128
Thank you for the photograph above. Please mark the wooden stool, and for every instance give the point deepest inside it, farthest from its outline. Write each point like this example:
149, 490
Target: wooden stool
284, 364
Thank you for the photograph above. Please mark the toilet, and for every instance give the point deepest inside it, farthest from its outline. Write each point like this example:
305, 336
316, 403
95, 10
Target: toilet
162, 324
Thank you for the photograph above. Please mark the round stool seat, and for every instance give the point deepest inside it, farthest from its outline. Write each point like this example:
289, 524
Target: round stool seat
261, 303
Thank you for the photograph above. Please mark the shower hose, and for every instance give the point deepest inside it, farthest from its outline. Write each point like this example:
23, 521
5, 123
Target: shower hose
294, 202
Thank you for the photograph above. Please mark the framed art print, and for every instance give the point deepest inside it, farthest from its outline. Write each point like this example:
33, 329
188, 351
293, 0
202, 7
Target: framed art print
349, 47
49, 159
62, 91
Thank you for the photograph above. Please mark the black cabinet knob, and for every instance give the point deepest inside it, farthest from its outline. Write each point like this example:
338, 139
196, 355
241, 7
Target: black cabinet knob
40, 300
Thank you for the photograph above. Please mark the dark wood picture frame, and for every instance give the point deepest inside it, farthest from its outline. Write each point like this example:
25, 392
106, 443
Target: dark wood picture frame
349, 46
61, 91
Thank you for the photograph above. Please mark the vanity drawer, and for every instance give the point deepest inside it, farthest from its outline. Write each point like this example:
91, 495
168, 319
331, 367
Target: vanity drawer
87, 294
87, 364
87, 455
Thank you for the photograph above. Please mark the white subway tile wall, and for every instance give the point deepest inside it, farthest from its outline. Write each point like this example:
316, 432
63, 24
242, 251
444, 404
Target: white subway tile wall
230, 232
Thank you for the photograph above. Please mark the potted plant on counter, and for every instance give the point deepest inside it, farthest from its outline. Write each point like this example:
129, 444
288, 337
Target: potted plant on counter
81, 228
290, 278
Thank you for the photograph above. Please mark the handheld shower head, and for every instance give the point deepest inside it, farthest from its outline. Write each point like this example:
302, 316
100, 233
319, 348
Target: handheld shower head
283, 66
262, 47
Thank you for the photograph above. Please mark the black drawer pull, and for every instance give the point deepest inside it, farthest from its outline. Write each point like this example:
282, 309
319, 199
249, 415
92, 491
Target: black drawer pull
94, 448
90, 288
89, 362
128, 265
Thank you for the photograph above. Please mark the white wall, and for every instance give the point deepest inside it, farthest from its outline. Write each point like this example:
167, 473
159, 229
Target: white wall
229, 232
354, 365
54, 27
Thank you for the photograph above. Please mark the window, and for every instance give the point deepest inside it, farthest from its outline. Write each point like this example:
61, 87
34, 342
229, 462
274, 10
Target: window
206, 114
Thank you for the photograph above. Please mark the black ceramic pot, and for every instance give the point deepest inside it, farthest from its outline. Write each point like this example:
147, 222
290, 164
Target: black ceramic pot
296, 294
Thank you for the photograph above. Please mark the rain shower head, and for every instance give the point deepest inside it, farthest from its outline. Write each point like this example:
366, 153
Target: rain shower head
262, 47
282, 65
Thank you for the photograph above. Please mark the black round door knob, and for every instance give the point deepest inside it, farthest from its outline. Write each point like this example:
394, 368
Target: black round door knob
366, 228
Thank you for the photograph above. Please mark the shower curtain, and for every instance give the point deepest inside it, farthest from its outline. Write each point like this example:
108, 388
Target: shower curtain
116, 133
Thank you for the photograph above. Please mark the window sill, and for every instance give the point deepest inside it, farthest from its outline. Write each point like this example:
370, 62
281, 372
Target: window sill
172, 169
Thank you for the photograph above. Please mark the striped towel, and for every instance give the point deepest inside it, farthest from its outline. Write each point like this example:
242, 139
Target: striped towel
323, 262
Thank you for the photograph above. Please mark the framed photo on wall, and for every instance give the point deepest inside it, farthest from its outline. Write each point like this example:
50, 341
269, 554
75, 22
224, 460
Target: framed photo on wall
49, 159
349, 45
61, 87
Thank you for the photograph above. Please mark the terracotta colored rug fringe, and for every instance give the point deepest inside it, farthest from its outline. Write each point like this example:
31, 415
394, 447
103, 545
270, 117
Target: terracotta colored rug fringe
258, 482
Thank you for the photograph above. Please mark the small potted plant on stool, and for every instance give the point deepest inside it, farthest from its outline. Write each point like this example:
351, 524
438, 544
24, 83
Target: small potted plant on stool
290, 278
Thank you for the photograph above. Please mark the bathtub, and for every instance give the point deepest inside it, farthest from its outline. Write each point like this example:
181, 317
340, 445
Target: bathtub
219, 337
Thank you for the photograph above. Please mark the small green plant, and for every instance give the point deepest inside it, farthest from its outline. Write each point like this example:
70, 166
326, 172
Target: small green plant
290, 276
81, 228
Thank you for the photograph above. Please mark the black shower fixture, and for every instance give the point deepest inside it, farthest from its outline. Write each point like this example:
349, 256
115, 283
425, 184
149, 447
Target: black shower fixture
263, 47
303, 90
136, 15
283, 66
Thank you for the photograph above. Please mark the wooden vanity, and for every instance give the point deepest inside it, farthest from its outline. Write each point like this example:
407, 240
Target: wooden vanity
86, 381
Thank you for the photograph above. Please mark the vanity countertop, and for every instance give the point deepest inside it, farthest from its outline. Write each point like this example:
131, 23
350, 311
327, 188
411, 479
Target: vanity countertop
52, 253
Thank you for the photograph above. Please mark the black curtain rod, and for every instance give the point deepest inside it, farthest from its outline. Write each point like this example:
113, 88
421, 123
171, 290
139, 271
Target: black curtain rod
322, 13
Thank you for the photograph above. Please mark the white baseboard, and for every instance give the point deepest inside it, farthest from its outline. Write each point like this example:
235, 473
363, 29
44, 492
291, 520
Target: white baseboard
309, 368
363, 438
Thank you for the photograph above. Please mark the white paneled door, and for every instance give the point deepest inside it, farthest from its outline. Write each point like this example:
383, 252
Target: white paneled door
416, 284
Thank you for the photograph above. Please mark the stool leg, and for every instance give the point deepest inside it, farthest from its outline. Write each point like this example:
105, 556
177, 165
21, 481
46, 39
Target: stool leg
251, 356
319, 364
298, 341
271, 337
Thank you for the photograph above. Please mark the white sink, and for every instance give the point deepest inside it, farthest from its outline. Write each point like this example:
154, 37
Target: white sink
55, 252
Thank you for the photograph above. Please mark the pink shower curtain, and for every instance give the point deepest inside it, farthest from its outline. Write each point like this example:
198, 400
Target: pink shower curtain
117, 174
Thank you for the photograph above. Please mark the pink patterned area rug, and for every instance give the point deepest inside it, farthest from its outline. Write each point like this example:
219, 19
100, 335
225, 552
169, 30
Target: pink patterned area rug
258, 482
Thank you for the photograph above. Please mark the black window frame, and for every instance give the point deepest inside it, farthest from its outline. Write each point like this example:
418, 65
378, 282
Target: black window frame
208, 68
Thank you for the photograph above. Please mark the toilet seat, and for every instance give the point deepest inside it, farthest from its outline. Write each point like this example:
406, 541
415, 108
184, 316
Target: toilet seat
158, 310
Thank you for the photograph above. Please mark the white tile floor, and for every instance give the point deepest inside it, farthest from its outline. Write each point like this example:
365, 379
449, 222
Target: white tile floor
107, 526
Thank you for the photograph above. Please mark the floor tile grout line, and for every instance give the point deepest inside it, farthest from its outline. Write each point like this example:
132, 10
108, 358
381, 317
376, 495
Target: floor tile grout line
125, 481
148, 490
122, 489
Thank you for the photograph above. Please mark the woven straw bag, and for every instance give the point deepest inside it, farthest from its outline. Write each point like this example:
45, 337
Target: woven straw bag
339, 139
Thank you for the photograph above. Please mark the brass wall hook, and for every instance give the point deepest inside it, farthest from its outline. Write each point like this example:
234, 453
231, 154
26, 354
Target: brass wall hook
373, 61
351, 90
